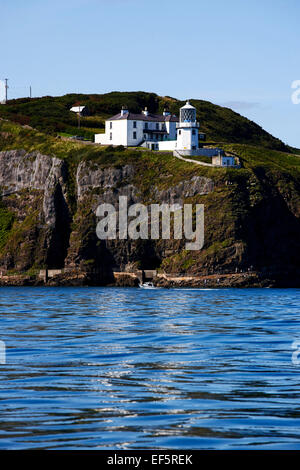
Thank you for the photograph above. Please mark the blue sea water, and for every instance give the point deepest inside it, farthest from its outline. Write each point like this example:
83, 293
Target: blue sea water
109, 368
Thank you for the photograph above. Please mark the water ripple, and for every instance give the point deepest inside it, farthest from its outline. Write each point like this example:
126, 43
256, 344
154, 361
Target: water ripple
163, 368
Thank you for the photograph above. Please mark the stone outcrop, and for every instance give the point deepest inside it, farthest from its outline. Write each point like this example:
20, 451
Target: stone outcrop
33, 171
197, 185
33, 187
90, 177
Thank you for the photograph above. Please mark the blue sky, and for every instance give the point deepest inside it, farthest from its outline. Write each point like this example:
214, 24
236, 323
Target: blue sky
240, 54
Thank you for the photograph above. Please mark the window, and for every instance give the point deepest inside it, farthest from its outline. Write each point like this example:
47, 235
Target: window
179, 132
146, 125
134, 124
157, 126
193, 132
134, 135
110, 136
193, 147
110, 125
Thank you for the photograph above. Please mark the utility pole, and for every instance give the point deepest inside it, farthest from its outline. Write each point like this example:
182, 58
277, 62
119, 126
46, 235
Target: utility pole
78, 114
6, 88
30, 94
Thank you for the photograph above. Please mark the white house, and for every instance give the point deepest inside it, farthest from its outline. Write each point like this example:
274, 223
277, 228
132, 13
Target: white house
81, 110
161, 132
153, 131
145, 129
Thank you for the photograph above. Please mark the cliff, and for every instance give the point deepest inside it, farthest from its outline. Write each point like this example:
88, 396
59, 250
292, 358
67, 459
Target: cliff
51, 188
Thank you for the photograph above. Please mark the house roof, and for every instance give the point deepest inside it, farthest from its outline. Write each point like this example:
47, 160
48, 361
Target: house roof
143, 117
77, 109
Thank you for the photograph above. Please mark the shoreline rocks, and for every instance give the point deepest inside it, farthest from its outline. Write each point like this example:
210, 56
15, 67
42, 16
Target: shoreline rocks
77, 279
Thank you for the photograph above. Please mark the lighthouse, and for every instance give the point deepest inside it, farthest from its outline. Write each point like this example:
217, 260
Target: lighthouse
187, 130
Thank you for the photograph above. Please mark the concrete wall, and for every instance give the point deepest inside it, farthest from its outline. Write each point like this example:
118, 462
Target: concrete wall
50, 272
167, 145
149, 274
223, 160
100, 139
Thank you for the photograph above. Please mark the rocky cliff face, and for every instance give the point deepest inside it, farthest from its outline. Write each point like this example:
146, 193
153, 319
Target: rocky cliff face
33, 189
47, 218
96, 185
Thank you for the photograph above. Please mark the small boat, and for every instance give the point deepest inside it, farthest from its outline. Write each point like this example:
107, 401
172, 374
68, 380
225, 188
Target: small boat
147, 285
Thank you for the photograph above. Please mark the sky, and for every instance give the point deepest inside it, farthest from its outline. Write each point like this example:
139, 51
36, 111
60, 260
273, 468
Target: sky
239, 54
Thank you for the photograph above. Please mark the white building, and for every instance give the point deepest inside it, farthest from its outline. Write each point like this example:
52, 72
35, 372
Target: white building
153, 131
161, 132
81, 110
145, 129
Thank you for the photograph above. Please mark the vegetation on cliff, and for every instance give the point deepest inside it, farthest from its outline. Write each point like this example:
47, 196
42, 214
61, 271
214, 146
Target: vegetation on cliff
252, 215
52, 115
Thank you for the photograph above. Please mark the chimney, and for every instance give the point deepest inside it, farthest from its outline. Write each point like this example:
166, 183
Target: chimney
145, 111
124, 111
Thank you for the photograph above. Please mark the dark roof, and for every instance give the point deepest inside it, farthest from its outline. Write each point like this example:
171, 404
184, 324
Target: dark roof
142, 117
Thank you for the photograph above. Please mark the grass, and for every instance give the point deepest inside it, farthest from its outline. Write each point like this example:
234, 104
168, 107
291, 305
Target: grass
6, 222
14, 136
254, 156
52, 115
199, 158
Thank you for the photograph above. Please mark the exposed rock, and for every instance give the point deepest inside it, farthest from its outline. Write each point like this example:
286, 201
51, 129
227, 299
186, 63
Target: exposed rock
34, 174
197, 185
20, 170
89, 177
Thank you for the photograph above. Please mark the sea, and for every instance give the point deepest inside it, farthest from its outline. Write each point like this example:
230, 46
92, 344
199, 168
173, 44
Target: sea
132, 368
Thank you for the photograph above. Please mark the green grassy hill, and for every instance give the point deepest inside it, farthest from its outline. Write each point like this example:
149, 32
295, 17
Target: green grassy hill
52, 115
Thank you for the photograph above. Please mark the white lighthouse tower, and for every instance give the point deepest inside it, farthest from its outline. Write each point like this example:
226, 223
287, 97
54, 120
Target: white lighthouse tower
187, 130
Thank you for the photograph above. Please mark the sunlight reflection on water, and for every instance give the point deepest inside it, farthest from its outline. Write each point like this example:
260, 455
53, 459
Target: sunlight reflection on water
160, 368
